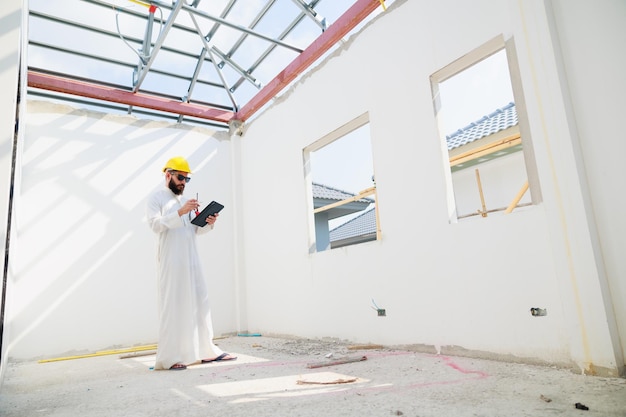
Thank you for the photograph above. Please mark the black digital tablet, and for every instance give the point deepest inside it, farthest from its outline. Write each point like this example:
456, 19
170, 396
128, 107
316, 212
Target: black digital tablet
211, 209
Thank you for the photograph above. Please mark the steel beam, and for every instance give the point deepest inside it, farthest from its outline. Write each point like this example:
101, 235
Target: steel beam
98, 92
227, 23
157, 46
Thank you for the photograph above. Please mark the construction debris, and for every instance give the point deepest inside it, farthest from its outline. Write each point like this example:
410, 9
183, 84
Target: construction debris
337, 381
364, 347
137, 354
336, 362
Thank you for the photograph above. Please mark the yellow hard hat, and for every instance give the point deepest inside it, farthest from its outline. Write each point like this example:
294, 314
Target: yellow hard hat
177, 163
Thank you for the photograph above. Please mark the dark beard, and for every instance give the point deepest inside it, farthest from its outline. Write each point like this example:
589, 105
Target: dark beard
172, 186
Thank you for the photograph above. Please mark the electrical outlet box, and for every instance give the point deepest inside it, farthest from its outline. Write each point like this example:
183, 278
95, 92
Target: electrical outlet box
381, 312
538, 311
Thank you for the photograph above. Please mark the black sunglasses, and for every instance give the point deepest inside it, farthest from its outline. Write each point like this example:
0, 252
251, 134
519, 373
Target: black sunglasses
182, 177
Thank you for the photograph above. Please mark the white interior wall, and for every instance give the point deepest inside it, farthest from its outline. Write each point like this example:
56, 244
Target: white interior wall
11, 40
469, 284
412, 277
84, 273
84, 261
591, 39
592, 324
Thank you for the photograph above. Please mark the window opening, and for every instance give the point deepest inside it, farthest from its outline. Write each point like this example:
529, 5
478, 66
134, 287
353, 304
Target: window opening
481, 138
343, 190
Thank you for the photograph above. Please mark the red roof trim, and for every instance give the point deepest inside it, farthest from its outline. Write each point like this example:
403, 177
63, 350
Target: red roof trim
115, 95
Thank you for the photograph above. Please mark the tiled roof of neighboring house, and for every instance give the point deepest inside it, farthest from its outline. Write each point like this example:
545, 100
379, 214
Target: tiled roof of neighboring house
500, 119
329, 193
361, 225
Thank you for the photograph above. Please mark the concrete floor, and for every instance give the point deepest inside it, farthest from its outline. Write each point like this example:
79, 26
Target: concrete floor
296, 377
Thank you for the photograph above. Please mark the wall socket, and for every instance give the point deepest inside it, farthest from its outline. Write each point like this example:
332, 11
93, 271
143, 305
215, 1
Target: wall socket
382, 312
538, 311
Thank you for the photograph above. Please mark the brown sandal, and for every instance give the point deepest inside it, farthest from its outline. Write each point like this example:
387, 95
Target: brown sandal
178, 367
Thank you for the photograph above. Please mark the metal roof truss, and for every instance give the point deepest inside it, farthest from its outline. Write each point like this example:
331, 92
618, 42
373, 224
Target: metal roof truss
160, 82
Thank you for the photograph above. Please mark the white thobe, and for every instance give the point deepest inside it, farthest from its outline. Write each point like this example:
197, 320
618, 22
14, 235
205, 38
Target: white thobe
185, 327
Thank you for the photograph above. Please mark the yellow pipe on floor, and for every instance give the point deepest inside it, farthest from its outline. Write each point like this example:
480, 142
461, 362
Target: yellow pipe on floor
100, 353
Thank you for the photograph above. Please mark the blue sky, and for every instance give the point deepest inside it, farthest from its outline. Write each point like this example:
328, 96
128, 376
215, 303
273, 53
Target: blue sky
476, 92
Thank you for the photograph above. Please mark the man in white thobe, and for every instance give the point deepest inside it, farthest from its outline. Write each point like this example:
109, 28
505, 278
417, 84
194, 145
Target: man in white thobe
185, 327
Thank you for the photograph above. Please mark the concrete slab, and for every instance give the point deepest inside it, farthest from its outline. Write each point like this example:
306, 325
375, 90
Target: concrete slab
272, 377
